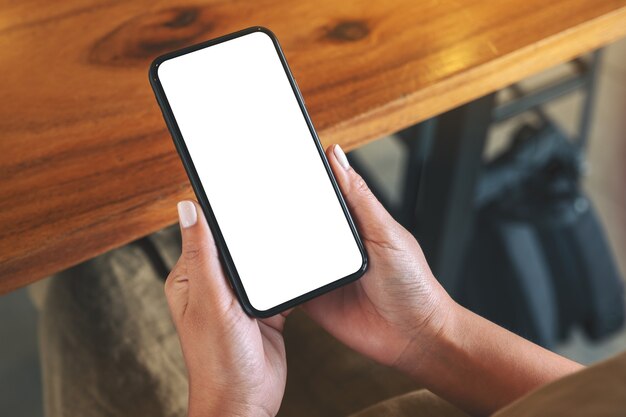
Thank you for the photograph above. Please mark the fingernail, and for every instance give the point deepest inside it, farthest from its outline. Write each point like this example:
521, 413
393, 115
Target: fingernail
187, 214
341, 157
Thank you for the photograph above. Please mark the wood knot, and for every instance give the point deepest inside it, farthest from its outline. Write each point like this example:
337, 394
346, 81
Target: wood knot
144, 37
348, 31
184, 17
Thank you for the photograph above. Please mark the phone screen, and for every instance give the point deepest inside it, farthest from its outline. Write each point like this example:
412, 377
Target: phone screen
260, 168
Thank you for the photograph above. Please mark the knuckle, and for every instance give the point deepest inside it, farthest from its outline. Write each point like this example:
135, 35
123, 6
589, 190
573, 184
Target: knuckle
175, 276
192, 254
361, 186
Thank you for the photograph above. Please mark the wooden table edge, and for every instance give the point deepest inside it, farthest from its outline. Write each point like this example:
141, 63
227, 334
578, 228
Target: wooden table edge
474, 83
398, 114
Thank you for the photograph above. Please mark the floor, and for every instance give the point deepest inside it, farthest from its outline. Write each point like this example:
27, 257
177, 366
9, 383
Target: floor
20, 377
20, 386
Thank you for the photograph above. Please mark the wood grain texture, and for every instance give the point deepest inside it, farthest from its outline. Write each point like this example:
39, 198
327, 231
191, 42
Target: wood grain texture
86, 163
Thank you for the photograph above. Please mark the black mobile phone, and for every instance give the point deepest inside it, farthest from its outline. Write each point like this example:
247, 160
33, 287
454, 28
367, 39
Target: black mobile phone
259, 172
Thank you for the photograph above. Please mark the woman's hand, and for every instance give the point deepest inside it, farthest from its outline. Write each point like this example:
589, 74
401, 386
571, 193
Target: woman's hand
397, 303
236, 364
399, 315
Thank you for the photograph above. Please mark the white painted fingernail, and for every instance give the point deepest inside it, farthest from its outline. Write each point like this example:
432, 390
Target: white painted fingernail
187, 214
341, 157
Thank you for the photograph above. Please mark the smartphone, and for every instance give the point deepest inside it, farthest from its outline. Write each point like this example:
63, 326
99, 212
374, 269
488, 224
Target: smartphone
239, 123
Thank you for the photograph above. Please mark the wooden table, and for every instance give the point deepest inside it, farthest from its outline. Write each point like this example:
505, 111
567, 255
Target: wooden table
86, 163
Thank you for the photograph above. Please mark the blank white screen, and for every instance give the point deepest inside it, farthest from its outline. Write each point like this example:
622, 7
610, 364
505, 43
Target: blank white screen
261, 171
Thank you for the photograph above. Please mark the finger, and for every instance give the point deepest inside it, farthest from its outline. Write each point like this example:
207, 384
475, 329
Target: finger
207, 281
363, 205
177, 292
277, 322
321, 308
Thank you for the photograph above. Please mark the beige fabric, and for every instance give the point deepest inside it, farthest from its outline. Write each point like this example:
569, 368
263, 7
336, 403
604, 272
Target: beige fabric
598, 391
420, 403
108, 346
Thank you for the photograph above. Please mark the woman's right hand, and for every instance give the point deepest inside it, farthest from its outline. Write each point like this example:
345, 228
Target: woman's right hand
399, 315
397, 303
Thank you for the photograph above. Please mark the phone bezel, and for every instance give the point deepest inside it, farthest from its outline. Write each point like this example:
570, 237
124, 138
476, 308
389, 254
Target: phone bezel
229, 266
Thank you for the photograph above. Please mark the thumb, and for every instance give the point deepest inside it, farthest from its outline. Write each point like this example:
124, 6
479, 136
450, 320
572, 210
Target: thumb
197, 281
367, 211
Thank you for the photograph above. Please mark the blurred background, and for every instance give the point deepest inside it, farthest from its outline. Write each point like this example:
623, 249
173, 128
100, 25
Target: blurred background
549, 225
546, 220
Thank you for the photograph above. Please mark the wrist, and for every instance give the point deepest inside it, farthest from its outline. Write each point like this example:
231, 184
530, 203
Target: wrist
221, 408
209, 403
431, 339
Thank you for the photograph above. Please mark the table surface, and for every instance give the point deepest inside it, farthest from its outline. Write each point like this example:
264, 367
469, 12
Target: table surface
86, 162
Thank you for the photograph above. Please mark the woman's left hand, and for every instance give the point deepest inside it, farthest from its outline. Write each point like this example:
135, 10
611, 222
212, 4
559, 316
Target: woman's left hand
236, 364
